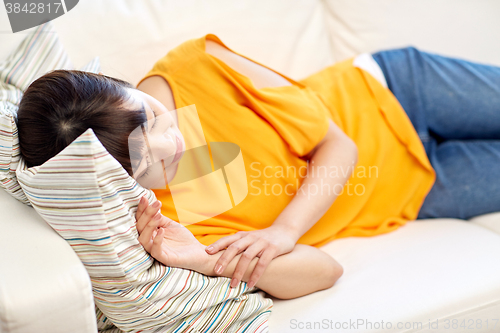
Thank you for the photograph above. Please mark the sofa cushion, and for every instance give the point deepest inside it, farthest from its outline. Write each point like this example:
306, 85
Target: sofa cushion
489, 221
433, 271
465, 29
286, 35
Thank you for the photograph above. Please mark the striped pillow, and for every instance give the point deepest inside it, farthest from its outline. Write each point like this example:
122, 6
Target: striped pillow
94, 66
9, 142
40, 52
86, 196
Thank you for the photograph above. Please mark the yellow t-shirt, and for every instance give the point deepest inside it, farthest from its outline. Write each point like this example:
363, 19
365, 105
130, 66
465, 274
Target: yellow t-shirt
275, 126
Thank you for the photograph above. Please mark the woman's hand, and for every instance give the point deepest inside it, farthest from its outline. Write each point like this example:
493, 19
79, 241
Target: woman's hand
266, 244
168, 241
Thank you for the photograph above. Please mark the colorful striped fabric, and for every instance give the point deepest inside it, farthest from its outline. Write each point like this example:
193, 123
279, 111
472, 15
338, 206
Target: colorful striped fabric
94, 66
9, 142
90, 200
40, 52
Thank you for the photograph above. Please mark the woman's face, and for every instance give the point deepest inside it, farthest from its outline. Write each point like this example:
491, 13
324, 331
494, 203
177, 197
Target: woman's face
161, 142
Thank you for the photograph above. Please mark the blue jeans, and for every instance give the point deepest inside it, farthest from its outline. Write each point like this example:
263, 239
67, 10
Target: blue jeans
454, 106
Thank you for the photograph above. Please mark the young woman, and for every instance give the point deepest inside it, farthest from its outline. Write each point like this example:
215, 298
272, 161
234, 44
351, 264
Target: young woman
334, 155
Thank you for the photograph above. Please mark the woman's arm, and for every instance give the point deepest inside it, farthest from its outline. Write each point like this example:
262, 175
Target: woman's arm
302, 271
308, 205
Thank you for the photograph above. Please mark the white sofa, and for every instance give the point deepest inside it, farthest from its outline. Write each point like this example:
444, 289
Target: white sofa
441, 273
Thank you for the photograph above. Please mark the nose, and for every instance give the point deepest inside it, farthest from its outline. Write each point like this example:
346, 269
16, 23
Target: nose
163, 146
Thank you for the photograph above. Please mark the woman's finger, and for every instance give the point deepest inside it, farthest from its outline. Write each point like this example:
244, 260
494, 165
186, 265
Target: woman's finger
141, 207
157, 250
147, 215
246, 258
232, 250
223, 243
264, 260
146, 236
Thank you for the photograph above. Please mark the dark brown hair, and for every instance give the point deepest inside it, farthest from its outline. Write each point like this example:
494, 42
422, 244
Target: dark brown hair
62, 104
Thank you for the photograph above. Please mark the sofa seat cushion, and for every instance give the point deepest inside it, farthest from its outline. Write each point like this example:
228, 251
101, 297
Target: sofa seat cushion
489, 221
426, 271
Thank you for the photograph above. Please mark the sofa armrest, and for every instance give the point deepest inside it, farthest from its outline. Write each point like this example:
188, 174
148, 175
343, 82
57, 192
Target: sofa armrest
43, 285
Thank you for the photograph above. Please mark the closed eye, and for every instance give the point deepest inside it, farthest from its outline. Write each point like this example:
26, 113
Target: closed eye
154, 113
148, 168
155, 118
145, 173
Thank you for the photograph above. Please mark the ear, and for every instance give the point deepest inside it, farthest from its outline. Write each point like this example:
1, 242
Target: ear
101, 73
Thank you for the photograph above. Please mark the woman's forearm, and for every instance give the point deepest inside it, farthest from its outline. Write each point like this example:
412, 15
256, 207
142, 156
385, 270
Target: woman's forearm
302, 271
319, 189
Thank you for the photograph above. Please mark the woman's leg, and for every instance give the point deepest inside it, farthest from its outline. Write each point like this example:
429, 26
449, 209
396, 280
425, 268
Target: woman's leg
467, 179
454, 106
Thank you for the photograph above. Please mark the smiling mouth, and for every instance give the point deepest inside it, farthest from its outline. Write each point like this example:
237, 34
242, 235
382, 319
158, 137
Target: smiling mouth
177, 156
178, 152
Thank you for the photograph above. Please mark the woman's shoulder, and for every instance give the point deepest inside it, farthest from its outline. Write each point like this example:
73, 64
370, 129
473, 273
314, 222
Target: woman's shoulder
179, 57
157, 87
